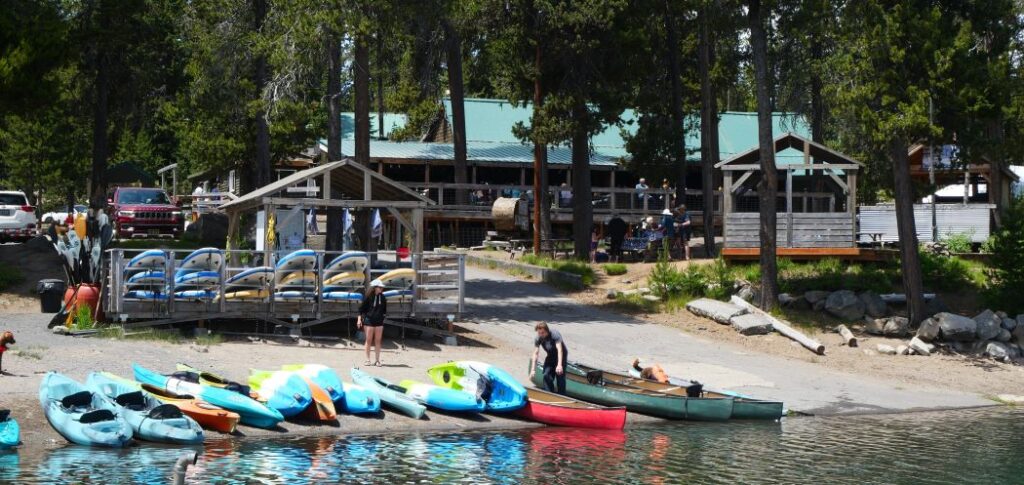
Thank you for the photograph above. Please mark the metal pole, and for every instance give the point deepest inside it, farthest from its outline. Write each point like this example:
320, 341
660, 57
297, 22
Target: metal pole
931, 177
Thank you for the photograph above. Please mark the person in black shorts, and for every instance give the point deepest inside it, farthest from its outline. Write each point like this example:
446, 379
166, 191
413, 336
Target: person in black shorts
617, 235
371, 315
556, 355
684, 229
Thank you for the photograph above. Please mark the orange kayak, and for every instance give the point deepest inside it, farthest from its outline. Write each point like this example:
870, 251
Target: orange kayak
206, 414
322, 408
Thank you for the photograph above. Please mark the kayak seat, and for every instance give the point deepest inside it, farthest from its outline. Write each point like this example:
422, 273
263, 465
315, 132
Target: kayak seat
595, 377
132, 400
186, 376
4, 414
97, 416
695, 390
483, 388
78, 399
236, 387
165, 411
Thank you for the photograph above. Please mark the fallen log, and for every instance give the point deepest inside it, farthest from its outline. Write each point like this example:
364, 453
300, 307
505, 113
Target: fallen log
847, 335
901, 297
782, 327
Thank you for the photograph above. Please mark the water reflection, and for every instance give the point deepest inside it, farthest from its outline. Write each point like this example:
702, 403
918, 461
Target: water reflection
971, 446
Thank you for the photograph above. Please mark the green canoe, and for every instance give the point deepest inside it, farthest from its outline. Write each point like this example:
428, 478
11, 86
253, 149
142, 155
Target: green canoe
641, 400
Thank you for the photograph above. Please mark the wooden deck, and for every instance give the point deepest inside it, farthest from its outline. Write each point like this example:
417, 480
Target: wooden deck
795, 253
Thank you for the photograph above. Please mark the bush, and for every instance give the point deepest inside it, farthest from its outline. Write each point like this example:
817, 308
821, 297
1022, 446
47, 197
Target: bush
665, 280
83, 318
945, 272
1006, 275
580, 268
615, 269
959, 243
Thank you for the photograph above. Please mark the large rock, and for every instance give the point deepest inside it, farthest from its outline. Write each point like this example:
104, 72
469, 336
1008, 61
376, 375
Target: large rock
751, 324
1009, 324
718, 311
897, 327
1004, 335
902, 349
1020, 320
875, 326
816, 296
746, 292
1018, 333
845, 305
988, 325
929, 330
1000, 351
953, 327
921, 347
874, 305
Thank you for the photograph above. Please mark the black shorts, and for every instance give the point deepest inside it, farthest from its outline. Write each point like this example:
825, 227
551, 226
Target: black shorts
616, 246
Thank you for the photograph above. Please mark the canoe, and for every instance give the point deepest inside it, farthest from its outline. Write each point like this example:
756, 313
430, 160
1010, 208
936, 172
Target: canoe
494, 385
558, 410
81, 416
390, 394
349, 262
207, 415
250, 411
150, 419
744, 407
322, 376
360, 400
283, 391
694, 408
10, 432
443, 398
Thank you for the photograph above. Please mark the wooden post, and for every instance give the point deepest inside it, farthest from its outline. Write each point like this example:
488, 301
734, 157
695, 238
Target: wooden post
326, 191
417, 236
522, 176
781, 327
726, 203
789, 201
367, 187
426, 174
851, 202
474, 174
232, 235
967, 187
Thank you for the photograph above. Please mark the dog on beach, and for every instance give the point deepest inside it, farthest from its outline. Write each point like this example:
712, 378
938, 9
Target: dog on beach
7, 338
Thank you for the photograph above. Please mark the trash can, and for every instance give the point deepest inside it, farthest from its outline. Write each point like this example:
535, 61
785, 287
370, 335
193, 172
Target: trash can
51, 295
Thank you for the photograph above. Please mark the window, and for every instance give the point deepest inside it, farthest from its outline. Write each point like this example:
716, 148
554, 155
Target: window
142, 197
13, 199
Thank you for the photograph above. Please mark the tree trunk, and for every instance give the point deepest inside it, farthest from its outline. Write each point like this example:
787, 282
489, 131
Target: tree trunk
454, 51
100, 140
542, 204
333, 232
817, 103
910, 260
766, 152
361, 67
708, 131
675, 81
582, 209
260, 76
380, 87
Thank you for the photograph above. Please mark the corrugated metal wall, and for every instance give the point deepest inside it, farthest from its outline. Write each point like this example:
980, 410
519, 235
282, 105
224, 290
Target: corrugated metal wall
971, 219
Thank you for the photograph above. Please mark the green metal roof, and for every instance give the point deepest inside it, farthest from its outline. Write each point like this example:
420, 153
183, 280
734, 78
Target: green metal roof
491, 120
392, 121
512, 153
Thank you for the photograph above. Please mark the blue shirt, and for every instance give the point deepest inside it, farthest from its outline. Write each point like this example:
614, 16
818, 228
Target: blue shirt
668, 222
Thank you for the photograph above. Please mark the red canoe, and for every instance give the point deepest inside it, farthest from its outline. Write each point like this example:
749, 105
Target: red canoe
558, 410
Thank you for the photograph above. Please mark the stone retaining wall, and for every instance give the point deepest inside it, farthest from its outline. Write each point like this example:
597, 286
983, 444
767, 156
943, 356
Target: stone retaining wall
558, 279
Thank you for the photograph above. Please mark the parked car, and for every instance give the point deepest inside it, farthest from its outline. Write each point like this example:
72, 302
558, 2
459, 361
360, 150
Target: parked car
141, 212
61, 216
17, 218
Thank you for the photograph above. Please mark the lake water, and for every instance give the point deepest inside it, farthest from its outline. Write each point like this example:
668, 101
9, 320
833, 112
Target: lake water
975, 446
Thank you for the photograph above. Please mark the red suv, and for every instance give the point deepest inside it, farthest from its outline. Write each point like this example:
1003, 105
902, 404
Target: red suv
141, 212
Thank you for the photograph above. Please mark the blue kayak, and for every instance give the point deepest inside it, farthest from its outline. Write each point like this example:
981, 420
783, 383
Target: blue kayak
501, 391
80, 416
360, 400
10, 433
281, 390
390, 394
322, 376
150, 419
443, 398
252, 412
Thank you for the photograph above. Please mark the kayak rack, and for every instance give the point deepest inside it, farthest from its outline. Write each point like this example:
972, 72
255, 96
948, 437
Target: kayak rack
436, 292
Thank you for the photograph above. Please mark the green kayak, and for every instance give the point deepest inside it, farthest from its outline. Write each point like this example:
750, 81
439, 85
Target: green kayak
599, 391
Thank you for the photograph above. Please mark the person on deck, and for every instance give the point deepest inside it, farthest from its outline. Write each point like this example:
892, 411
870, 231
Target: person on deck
556, 355
669, 235
371, 315
617, 229
565, 196
641, 191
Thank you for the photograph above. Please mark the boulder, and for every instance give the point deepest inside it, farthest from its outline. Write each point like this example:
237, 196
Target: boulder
874, 305
988, 325
718, 311
953, 327
815, 296
785, 299
929, 329
1020, 320
886, 349
1004, 335
897, 327
902, 350
1009, 324
751, 324
934, 307
875, 326
845, 305
921, 347
1000, 351
1018, 333
1001, 314
746, 293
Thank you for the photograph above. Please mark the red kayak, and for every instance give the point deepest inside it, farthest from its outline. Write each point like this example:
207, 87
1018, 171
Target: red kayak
558, 410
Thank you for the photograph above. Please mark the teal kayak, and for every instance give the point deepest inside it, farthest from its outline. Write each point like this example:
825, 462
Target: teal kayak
80, 416
10, 433
443, 398
322, 376
360, 400
252, 412
501, 391
390, 394
281, 390
150, 419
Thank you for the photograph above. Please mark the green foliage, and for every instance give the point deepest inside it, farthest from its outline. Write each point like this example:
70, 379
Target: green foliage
636, 304
1007, 271
615, 269
82, 319
959, 243
10, 276
575, 267
948, 272
665, 280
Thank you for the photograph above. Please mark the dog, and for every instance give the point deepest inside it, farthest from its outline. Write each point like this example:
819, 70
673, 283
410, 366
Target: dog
7, 338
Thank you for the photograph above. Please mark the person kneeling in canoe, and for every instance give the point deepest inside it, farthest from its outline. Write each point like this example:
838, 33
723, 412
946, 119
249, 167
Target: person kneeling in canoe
371, 315
555, 357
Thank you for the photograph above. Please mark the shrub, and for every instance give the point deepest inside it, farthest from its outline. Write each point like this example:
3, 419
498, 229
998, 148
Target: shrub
665, 280
944, 272
958, 243
615, 269
575, 267
719, 279
1007, 272
83, 318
